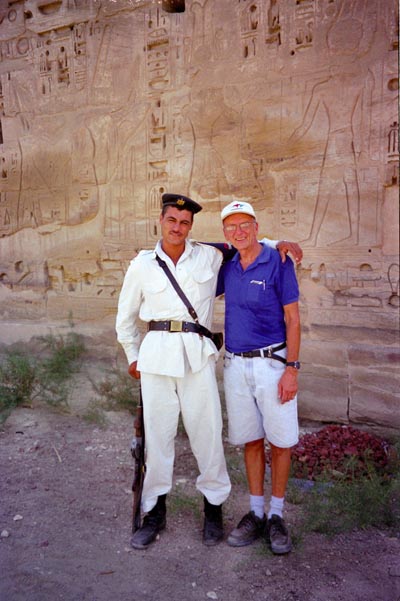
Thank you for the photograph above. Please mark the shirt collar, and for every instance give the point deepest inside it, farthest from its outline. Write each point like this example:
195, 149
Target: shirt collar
189, 245
263, 257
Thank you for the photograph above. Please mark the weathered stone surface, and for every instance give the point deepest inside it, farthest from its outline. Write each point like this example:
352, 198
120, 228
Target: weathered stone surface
106, 104
374, 385
324, 395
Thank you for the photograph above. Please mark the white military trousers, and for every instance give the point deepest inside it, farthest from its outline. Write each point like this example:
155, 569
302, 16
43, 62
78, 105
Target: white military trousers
196, 397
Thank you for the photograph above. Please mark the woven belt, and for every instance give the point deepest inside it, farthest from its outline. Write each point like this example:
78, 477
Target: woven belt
175, 326
268, 352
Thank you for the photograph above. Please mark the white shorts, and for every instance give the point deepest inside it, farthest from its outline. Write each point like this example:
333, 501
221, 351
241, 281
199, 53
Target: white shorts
254, 409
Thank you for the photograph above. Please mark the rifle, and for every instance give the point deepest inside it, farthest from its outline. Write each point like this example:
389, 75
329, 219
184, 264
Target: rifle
137, 450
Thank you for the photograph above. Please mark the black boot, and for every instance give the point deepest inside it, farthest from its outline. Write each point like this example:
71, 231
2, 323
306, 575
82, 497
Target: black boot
154, 521
213, 529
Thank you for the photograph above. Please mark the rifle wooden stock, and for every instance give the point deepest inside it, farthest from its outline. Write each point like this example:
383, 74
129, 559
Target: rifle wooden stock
137, 450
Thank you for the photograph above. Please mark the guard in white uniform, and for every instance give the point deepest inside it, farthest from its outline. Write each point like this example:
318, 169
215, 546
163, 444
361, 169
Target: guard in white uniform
176, 368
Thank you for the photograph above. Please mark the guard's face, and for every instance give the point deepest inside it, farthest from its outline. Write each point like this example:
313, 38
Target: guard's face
176, 225
241, 231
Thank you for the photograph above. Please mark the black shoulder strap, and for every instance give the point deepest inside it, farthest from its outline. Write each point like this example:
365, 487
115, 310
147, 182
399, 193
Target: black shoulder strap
178, 289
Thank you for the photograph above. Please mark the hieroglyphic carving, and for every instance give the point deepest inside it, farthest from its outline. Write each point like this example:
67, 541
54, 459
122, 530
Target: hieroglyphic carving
249, 27
80, 59
61, 59
304, 24
158, 79
157, 50
273, 29
64, 277
394, 281
392, 160
289, 207
358, 287
16, 48
5, 215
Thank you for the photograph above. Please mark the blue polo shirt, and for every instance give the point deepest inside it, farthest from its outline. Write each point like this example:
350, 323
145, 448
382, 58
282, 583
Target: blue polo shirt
254, 300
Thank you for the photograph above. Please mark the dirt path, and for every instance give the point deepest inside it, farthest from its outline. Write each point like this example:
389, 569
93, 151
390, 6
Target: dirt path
65, 505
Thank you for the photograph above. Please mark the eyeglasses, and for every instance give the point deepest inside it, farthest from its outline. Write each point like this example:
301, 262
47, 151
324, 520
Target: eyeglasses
245, 226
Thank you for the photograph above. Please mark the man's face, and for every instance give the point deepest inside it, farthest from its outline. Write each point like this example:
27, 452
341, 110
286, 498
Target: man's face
175, 225
241, 231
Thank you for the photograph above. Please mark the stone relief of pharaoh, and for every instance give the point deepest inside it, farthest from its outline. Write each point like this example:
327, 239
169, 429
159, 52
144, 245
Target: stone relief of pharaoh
346, 143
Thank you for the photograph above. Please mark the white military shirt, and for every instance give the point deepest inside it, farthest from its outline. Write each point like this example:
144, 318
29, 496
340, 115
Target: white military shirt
148, 294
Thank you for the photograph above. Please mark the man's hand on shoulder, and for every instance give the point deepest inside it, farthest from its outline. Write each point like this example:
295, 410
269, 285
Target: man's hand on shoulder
293, 248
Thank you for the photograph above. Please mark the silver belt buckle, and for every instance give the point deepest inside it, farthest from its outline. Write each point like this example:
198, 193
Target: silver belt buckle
268, 352
175, 326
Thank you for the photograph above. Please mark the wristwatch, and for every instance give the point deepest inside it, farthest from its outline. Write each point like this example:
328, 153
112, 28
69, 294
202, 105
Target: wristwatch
295, 364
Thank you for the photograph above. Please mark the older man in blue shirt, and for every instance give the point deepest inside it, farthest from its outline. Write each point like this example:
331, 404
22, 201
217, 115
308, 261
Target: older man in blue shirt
262, 329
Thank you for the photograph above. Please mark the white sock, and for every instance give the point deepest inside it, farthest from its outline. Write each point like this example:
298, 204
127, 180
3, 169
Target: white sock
257, 505
276, 506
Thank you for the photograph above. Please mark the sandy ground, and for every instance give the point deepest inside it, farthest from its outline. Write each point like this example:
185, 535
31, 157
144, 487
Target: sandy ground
65, 520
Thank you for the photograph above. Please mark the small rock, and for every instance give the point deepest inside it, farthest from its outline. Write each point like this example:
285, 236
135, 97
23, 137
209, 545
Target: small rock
212, 595
17, 518
4, 534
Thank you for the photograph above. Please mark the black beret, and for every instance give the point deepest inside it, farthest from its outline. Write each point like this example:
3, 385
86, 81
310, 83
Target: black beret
180, 202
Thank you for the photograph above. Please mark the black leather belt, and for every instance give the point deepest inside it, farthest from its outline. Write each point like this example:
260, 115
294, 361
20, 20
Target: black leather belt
176, 326
268, 352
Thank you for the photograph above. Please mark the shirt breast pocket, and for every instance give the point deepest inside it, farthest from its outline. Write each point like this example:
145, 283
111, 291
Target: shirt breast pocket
154, 292
204, 281
258, 293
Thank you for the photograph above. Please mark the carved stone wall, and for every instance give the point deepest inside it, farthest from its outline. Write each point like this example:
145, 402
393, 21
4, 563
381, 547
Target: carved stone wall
292, 104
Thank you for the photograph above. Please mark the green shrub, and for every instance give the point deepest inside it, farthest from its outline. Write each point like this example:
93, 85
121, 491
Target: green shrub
118, 391
17, 382
43, 374
59, 361
371, 500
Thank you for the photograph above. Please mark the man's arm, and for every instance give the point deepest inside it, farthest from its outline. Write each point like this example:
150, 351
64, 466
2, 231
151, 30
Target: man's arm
283, 246
128, 309
287, 386
228, 252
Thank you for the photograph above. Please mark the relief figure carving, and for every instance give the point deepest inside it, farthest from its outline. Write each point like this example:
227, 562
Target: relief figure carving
339, 178
348, 129
219, 170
